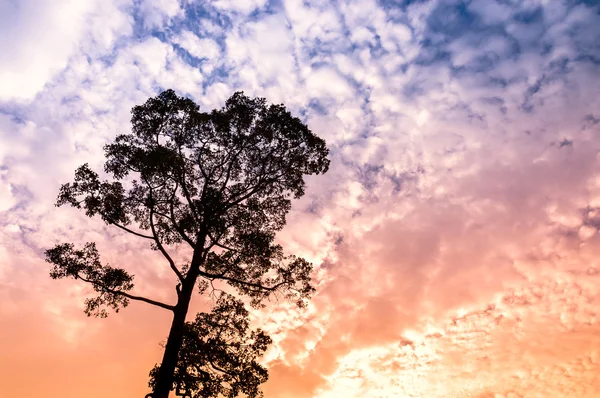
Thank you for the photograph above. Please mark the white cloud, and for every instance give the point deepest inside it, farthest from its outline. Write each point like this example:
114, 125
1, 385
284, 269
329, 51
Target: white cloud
314, 23
39, 37
362, 36
492, 12
241, 6
196, 46
36, 44
263, 54
326, 83
157, 13
152, 56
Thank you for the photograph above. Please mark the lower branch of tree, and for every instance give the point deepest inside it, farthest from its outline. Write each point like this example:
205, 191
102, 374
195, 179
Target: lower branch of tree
125, 294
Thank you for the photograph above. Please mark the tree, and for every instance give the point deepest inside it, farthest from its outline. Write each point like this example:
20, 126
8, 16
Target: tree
220, 183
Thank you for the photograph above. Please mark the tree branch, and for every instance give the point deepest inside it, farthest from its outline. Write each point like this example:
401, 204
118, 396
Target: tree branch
125, 294
185, 191
219, 369
215, 242
252, 191
130, 231
172, 218
255, 286
161, 248
231, 163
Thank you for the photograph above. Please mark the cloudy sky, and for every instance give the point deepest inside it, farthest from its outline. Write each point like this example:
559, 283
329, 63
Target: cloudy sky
455, 237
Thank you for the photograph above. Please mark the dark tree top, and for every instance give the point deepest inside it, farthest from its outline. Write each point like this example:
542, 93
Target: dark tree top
221, 182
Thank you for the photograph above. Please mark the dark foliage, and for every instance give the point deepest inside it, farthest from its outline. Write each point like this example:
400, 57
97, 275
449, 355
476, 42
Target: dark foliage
220, 182
218, 354
111, 283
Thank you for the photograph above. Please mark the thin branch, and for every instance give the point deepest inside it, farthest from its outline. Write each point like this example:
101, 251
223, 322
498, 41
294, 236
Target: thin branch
251, 191
177, 227
184, 189
129, 230
215, 242
219, 369
162, 249
213, 289
255, 286
124, 228
188, 197
202, 171
125, 294
231, 163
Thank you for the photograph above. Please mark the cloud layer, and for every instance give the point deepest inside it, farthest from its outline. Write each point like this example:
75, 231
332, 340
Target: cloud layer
455, 236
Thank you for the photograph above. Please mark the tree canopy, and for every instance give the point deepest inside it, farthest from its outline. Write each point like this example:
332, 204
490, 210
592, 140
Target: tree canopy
220, 182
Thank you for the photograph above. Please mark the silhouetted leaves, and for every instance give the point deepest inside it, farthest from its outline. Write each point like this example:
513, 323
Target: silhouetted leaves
219, 352
220, 182
84, 264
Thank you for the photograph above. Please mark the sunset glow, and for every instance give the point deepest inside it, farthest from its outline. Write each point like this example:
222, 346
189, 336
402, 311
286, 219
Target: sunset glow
454, 238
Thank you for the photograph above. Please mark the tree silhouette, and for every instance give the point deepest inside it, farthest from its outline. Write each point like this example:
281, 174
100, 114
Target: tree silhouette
218, 354
220, 183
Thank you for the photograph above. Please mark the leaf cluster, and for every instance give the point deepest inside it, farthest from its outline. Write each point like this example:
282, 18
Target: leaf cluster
110, 283
219, 354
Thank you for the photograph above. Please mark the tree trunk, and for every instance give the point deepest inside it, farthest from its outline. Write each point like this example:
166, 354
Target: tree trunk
164, 379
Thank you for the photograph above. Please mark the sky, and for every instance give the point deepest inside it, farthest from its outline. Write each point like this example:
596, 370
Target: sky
455, 237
